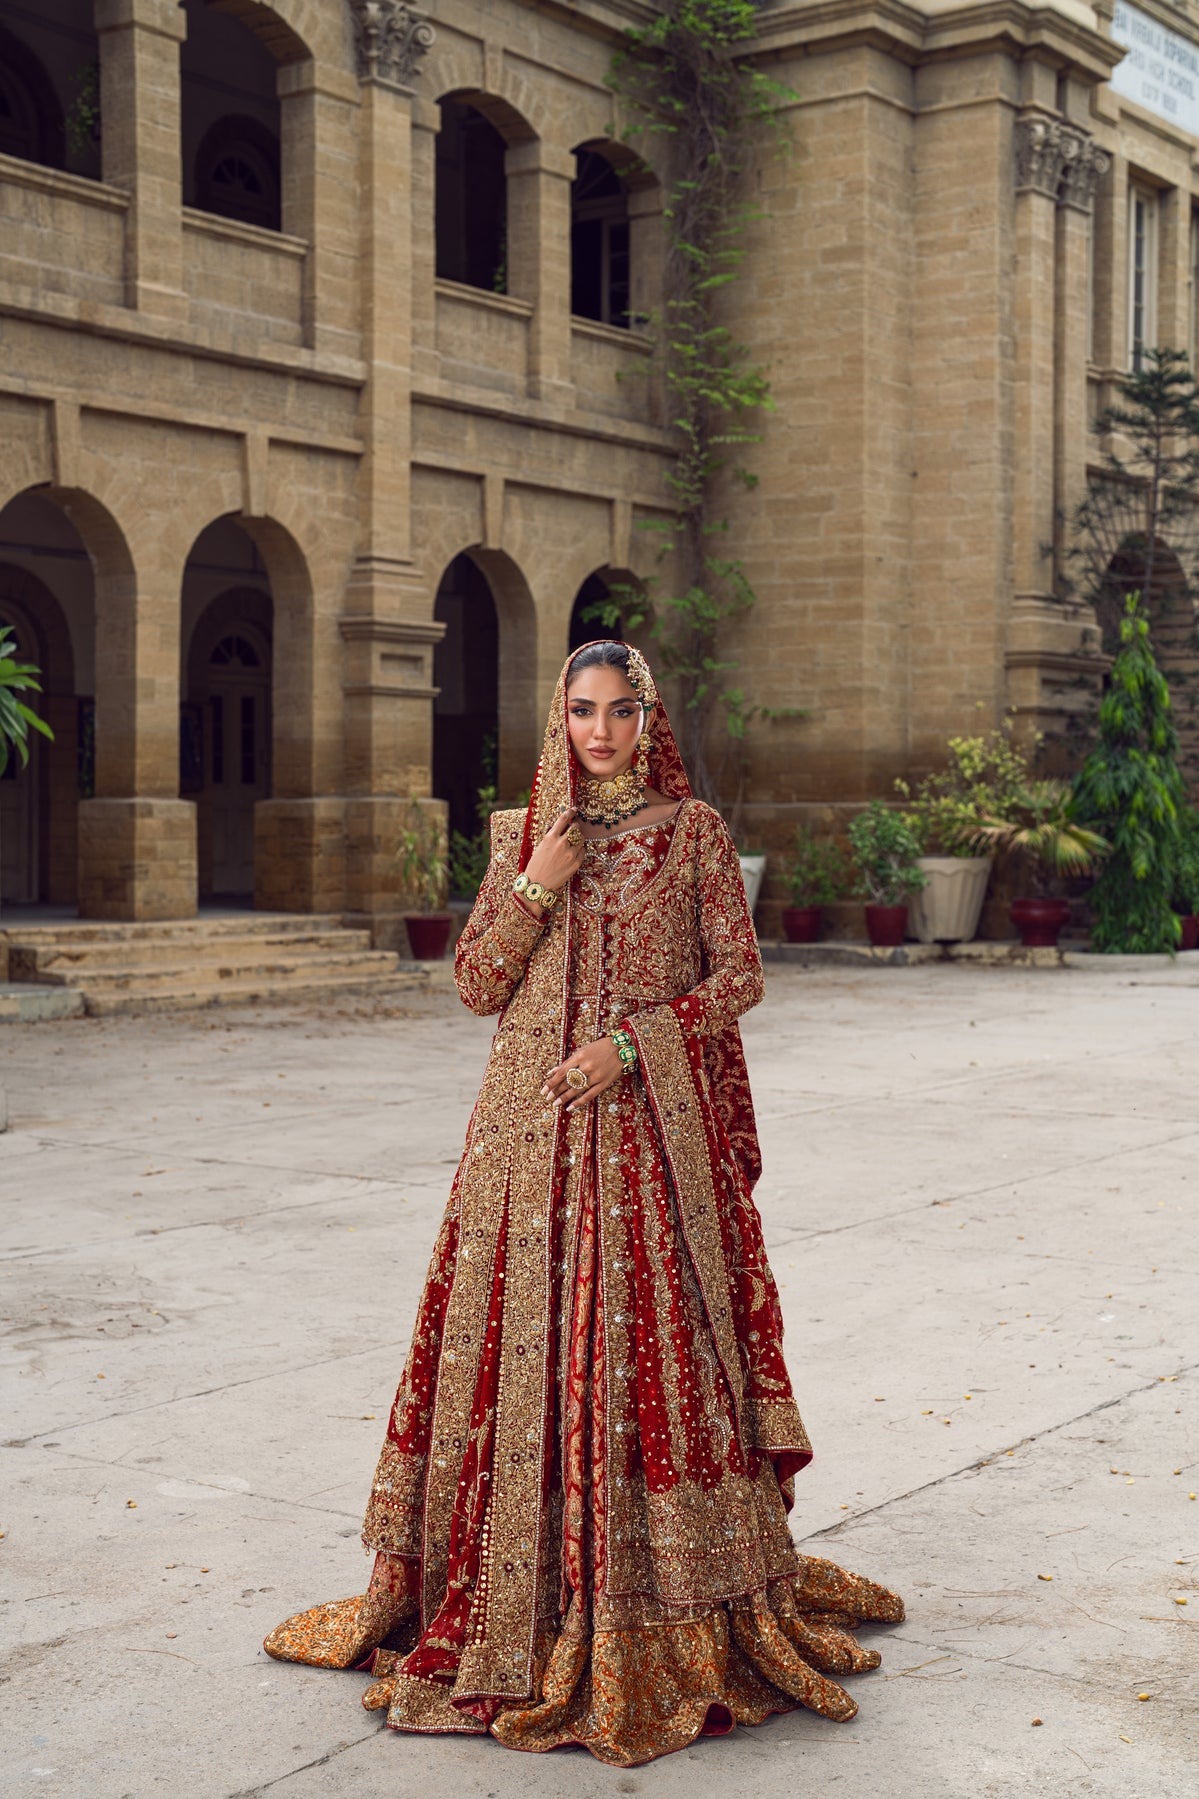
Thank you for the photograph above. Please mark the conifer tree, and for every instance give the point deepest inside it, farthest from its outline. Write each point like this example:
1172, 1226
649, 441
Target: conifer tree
1131, 789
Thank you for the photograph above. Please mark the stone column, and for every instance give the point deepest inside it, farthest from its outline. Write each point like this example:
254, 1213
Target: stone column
1040, 153
139, 100
1073, 302
387, 629
539, 180
422, 223
318, 107
137, 838
1052, 665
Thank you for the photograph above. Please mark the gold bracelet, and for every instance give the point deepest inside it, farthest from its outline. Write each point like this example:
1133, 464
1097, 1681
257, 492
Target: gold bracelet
545, 897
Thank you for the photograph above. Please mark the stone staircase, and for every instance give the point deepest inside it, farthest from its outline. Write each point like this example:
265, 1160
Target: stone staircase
215, 961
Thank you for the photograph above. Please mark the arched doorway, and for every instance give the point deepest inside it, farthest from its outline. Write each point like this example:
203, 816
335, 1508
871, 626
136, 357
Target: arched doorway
618, 591
466, 709
47, 598
226, 715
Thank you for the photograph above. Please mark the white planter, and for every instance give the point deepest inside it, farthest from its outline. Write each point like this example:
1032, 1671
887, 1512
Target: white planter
948, 909
752, 870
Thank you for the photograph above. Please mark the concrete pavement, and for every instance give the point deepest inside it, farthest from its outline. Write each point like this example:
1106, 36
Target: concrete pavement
980, 1200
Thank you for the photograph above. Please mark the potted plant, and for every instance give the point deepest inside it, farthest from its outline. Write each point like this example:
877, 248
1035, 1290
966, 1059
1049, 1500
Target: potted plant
753, 871
421, 860
816, 876
1186, 881
1044, 833
886, 853
982, 779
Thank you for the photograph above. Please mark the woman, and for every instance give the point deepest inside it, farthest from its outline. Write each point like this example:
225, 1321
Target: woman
579, 1513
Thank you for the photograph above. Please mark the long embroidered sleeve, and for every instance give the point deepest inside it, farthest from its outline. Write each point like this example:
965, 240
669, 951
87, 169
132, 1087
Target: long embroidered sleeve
499, 937
733, 982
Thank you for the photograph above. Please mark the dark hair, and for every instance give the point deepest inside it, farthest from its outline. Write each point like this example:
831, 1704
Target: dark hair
608, 654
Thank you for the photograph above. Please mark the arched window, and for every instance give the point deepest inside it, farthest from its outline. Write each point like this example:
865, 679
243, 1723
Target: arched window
471, 199
235, 652
237, 173
31, 123
599, 241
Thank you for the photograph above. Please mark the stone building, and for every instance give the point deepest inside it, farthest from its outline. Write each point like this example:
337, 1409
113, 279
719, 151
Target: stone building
326, 403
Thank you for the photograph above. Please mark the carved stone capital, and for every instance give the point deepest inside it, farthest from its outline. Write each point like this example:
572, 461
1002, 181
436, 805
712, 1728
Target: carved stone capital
391, 39
1058, 160
1083, 173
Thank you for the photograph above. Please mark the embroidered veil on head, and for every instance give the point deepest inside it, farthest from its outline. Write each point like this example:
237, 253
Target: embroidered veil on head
556, 782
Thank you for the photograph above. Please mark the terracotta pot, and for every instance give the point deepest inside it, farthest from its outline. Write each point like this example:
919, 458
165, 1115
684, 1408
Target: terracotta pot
428, 934
1039, 921
801, 924
886, 926
1190, 931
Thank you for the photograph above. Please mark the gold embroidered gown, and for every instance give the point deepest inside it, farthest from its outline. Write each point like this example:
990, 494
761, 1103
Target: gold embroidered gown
579, 1511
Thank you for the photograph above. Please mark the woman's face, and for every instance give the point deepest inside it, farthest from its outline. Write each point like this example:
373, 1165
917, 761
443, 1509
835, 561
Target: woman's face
605, 720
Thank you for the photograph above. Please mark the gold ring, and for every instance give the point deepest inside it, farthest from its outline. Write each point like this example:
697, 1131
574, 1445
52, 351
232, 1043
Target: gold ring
574, 837
577, 1079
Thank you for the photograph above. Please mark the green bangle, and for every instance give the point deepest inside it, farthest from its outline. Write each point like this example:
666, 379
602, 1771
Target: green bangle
626, 1049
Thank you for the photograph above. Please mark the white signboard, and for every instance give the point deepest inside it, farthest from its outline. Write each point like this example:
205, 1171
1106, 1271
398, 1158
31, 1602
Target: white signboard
1161, 70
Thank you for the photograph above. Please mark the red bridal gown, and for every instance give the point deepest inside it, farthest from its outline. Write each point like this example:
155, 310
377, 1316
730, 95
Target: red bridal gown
579, 1511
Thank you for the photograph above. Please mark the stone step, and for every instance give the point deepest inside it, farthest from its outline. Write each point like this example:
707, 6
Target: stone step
275, 969
31, 959
206, 926
23, 1002
248, 989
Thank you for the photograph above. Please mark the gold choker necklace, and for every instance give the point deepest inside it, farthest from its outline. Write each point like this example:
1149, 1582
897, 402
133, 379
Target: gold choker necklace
610, 803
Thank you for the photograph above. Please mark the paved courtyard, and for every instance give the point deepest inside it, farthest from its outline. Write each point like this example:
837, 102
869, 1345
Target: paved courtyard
980, 1200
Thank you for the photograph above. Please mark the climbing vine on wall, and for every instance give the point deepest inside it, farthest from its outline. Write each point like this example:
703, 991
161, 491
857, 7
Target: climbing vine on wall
702, 111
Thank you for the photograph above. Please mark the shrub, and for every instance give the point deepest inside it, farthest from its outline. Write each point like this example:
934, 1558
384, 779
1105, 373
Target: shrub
816, 873
885, 852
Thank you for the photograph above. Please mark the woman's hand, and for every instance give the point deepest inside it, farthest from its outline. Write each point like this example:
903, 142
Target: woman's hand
555, 859
599, 1062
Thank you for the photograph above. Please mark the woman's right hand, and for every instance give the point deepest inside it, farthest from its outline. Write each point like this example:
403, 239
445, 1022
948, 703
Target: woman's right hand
554, 860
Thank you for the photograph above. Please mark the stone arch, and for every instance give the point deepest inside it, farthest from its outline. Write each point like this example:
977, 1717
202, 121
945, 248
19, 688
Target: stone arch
513, 678
615, 213
294, 673
125, 749
31, 117
39, 802
600, 584
230, 139
477, 232
520, 109
258, 585
288, 31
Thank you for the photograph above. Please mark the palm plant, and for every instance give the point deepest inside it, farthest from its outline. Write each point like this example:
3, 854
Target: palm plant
16, 718
1042, 830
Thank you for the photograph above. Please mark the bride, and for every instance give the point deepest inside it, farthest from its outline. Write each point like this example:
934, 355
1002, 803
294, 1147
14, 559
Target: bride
579, 1512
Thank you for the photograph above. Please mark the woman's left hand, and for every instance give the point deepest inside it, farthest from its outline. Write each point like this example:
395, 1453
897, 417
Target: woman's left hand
599, 1062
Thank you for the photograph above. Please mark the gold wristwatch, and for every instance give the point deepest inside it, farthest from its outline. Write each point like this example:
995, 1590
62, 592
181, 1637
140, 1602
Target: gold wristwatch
545, 897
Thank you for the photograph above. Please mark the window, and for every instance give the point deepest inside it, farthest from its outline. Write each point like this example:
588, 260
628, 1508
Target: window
1142, 274
237, 173
471, 199
599, 241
